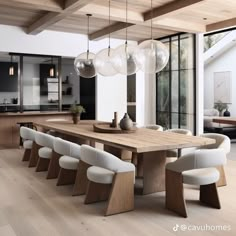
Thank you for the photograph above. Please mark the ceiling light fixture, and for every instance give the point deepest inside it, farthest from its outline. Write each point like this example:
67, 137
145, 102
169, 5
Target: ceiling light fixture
103, 59
84, 62
152, 55
52, 69
11, 68
123, 59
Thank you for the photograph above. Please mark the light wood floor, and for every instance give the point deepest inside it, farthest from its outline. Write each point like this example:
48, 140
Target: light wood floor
30, 205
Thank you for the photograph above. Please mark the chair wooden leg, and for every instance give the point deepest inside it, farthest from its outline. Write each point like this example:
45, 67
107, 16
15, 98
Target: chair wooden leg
42, 165
81, 180
54, 168
175, 193
121, 198
34, 155
26, 155
222, 181
209, 195
66, 177
97, 192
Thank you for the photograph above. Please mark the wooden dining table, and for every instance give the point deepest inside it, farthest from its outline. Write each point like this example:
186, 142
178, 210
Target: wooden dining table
147, 145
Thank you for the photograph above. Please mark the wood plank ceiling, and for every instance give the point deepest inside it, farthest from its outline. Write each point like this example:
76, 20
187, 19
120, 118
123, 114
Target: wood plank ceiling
169, 16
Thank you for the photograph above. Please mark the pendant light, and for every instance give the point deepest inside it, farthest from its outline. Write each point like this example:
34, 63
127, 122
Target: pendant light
52, 69
11, 68
152, 55
84, 62
103, 59
123, 59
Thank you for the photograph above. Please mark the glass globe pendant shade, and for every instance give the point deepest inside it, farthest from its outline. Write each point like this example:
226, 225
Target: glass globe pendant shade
103, 62
151, 56
123, 59
84, 65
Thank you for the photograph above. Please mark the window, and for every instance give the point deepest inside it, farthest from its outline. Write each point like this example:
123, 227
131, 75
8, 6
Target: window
176, 84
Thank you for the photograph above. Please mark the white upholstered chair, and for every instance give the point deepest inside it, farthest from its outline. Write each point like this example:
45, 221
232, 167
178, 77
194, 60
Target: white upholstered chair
222, 142
109, 177
199, 169
28, 137
45, 143
68, 163
61, 148
179, 152
154, 127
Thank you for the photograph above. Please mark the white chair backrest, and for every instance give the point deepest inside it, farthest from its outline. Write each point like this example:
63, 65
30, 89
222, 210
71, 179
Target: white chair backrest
75, 150
44, 140
222, 141
203, 158
104, 160
67, 148
180, 131
27, 133
154, 127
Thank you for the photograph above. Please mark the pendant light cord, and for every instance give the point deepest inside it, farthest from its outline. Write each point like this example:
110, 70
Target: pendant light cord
126, 29
151, 19
88, 34
109, 36
88, 15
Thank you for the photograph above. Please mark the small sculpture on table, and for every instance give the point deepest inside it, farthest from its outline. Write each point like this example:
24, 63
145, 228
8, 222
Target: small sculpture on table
114, 123
126, 123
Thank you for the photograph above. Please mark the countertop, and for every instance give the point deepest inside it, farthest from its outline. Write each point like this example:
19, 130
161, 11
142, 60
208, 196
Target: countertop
34, 113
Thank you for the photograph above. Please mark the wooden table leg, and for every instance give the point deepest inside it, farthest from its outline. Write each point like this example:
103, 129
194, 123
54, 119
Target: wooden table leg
124, 155
154, 171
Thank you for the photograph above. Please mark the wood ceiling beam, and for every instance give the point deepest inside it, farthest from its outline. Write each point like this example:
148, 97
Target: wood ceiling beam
110, 29
101, 12
179, 25
49, 5
221, 25
51, 18
169, 9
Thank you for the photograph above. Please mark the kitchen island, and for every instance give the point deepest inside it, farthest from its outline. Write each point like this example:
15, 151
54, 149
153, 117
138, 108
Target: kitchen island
9, 129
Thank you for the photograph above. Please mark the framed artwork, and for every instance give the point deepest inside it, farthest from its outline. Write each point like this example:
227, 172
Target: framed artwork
223, 87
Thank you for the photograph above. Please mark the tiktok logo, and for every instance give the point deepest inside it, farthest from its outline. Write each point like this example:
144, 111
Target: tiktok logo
176, 227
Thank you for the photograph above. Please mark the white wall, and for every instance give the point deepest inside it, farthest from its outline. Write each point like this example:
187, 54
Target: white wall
199, 83
225, 62
111, 96
14, 39
145, 98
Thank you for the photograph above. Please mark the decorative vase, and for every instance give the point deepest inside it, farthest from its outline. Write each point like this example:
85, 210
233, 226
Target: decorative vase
76, 118
227, 113
126, 123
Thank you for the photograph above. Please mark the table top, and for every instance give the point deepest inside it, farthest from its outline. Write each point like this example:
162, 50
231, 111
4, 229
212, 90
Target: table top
143, 140
225, 120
